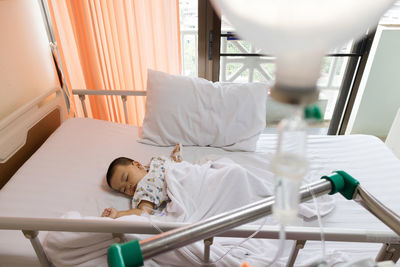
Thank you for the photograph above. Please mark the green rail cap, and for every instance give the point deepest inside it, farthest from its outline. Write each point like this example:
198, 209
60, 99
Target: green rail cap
312, 112
125, 255
343, 183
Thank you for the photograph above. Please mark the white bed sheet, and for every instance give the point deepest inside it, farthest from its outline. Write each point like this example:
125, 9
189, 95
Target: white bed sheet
46, 186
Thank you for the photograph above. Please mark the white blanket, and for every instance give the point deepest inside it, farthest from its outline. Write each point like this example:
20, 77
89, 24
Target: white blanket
201, 191
197, 191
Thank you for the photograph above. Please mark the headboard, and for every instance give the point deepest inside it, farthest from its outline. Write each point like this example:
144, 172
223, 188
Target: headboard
24, 131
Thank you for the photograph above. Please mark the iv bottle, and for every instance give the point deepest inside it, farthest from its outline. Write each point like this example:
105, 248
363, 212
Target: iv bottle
290, 166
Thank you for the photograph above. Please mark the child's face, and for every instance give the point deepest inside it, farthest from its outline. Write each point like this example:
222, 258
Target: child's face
125, 178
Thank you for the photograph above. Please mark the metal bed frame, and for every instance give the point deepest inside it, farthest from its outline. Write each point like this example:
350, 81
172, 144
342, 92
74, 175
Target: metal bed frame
121, 93
224, 225
180, 234
133, 253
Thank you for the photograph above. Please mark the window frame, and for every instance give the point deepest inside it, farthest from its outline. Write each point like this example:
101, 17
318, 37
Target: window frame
209, 54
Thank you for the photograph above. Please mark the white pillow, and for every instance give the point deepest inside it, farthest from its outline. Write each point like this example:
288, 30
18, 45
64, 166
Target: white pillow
194, 111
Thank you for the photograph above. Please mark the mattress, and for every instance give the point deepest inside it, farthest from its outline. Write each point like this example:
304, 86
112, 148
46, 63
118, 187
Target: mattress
68, 174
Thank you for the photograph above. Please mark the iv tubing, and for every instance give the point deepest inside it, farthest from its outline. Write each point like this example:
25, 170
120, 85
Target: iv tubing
320, 224
190, 254
177, 238
282, 238
289, 165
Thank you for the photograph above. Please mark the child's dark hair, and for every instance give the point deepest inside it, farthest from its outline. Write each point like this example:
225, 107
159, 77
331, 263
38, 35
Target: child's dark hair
111, 169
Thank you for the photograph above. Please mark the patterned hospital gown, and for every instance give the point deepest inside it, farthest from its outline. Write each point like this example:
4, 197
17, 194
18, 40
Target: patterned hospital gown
152, 187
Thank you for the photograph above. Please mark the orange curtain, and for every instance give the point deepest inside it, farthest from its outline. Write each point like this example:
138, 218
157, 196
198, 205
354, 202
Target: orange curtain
110, 45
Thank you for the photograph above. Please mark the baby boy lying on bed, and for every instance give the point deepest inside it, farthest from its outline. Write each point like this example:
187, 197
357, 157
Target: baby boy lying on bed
146, 184
191, 191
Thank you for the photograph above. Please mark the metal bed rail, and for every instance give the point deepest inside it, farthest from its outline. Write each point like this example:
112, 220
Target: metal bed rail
31, 227
135, 252
220, 223
82, 93
228, 224
267, 231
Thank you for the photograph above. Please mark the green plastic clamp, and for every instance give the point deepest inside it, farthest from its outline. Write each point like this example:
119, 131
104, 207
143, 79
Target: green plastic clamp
128, 254
312, 112
343, 183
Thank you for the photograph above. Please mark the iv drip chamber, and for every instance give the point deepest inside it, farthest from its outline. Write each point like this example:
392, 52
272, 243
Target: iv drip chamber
290, 166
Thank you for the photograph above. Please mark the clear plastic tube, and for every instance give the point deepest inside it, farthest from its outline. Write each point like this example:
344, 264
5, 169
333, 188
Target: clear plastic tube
319, 223
184, 250
190, 254
289, 165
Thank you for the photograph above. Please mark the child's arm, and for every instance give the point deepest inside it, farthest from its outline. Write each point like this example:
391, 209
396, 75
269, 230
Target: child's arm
143, 206
176, 154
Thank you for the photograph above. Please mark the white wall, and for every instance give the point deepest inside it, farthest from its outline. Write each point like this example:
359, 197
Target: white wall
26, 65
378, 98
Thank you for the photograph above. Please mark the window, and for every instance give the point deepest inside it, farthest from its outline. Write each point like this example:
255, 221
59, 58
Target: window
239, 61
188, 14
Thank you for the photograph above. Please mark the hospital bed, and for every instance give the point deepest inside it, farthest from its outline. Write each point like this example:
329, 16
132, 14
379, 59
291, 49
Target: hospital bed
67, 174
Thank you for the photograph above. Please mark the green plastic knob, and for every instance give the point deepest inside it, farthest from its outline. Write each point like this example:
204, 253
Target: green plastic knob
128, 254
312, 112
343, 183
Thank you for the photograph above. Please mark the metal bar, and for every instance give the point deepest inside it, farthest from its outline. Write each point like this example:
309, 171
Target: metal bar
244, 55
82, 98
47, 21
210, 45
123, 97
267, 231
220, 223
266, 55
202, 38
44, 8
295, 251
389, 252
81, 225
108, 92
37, 246
344, 91
228, 35
365, 50
207, 244
387, 216
216, 29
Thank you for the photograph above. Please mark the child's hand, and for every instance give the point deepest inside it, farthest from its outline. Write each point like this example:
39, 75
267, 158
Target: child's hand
176, 154
177, 148
110, 212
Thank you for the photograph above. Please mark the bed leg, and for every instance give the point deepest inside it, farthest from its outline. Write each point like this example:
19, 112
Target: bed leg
37, 246
295, 251
123, 97
389, 252
207, 244
82, 98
